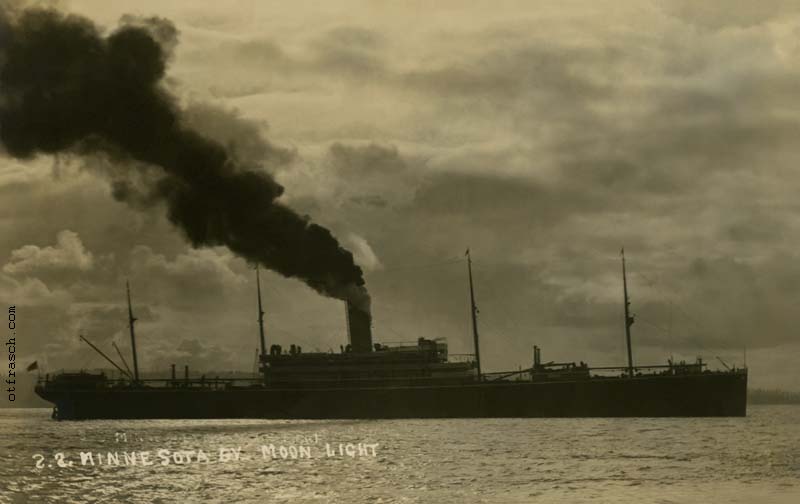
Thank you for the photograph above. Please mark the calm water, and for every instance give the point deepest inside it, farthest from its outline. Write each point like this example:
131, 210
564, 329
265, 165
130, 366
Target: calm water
754, 459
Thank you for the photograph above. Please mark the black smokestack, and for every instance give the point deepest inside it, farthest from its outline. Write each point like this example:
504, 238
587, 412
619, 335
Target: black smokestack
359, 328
64, 87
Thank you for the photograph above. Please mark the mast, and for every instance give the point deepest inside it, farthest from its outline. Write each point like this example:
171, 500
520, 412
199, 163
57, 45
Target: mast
628, 316
260, 316
131, 320
474, 312
347, 319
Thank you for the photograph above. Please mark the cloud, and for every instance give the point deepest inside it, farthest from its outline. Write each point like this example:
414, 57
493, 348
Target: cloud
250, 67
105, 321
14, 174
534, 71
543, 137
353, 37
364, 254
246, 67
360, 175
369, 200
202, 357
67, 254
371, 159
351, 51
717, 14
207, 262
243, 139
372, 174
31, 292
207, 273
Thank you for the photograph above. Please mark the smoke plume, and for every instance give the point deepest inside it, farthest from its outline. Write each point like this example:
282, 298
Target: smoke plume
65, 87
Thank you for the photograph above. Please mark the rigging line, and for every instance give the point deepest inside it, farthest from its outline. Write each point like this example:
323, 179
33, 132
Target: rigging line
584, 258
697, 340
505, 319
673, 301
421, 266
647, 322
386, 307
656, 286
270, 287
391, 329
694, 322
726, 306
667, 298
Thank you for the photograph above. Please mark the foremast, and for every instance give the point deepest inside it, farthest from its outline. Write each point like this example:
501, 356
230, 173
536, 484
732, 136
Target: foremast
131, 321
474, 313
628, 316
260, 316
262, 339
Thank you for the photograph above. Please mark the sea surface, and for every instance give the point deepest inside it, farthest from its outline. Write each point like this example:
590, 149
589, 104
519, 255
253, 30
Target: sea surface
728, 460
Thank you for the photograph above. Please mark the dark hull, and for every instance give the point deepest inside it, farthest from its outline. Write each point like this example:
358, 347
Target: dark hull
717, 394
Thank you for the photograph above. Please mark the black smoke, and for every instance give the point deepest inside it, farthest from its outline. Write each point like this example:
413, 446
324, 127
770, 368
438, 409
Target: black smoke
65, 87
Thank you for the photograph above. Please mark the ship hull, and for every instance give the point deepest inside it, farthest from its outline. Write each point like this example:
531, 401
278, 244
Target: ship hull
654, 396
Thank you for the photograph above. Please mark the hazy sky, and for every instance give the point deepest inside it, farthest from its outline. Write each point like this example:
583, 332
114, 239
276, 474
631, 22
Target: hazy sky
542, 135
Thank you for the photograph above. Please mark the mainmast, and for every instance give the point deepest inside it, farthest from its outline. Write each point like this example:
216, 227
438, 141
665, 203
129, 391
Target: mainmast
260, 316
628, 316
131, 320
474, 311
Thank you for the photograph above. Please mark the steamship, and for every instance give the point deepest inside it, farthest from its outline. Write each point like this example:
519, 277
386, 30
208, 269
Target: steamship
366, 380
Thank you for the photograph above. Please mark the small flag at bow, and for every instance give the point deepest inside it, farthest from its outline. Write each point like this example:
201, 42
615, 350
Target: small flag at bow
33, 366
